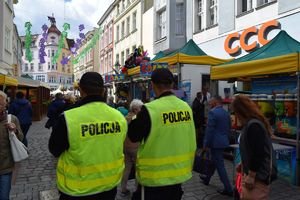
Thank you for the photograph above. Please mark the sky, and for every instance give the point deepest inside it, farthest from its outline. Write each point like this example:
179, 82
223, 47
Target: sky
76, 12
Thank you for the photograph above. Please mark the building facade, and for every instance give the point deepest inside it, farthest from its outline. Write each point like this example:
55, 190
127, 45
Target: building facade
6, 36
147, 26
90, 61
213, 22
17, 53
127, 28
55, 74
106, 43
169, 26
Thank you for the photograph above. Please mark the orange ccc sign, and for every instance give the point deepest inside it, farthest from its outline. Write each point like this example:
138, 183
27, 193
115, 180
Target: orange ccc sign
245, 36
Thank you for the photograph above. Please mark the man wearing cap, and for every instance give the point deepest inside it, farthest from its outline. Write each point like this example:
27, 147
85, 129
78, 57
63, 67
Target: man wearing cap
166, 131
88, 139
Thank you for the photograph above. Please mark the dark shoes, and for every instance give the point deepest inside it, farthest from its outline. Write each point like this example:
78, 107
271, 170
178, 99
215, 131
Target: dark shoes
125, 194
225, 193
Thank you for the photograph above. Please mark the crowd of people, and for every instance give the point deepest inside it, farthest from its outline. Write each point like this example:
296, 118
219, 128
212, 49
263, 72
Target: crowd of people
101, 144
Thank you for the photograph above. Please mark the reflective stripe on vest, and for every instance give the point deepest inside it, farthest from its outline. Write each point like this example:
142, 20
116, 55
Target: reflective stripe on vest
167, 156
94, 162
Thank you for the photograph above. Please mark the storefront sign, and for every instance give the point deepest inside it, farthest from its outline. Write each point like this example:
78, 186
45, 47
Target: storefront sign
244, 37
113, 77
146, 69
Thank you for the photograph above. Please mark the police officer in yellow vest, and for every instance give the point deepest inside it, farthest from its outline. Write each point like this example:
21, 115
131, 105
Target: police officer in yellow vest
88, 139
166, 131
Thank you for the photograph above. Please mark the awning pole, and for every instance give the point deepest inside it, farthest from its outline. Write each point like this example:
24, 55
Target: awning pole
298, 118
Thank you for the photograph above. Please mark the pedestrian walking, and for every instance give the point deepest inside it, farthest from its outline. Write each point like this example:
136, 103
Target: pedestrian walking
22, 109
216, 139
110, 102
130, 149
6, 159
54, 109
88, 139
166, 131
122, 107
258, 164
198, 114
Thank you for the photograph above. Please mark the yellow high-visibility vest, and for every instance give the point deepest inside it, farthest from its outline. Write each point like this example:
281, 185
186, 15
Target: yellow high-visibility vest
94, 162
166, 157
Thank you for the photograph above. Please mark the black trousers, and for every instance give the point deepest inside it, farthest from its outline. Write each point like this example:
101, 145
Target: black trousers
172, 192
107, 195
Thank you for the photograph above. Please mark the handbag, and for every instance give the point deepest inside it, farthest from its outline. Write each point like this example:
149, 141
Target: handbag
203, 164
18, 149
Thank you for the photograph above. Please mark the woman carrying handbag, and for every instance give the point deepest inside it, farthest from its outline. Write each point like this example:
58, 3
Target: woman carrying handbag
258, 164
7, 162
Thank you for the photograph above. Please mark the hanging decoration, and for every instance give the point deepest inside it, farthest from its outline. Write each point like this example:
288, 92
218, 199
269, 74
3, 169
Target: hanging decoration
92, 43
42, 42
135, 59
61, 41
28, 53
78, 40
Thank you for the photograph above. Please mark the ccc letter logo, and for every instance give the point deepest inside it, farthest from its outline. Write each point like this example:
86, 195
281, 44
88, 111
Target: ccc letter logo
245, 36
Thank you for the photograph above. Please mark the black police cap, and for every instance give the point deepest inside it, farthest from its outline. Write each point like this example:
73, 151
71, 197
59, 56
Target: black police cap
91, 79
162, 76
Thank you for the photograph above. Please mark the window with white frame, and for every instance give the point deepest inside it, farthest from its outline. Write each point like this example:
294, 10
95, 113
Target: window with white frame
40, 67
53, 66
40, 78
53, 53
123, 30
127, 53
212, 12
128, 26
49, 66
118, 9
162, 20
7, 42
118, 58
122, 58
110, 34
26, 67
199, 18
123, 5
180, 19
62, 79
49, 55
244, 6
134, 21
118, 33
32, 53
31, 66
109, 61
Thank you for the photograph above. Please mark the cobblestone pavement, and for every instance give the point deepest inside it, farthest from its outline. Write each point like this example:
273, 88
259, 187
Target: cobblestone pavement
36, 176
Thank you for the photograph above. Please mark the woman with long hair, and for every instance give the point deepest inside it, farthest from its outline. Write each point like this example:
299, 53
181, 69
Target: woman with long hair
258, 164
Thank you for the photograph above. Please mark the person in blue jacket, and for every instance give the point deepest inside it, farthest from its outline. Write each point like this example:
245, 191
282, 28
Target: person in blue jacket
22, 109
55, 109
216, 139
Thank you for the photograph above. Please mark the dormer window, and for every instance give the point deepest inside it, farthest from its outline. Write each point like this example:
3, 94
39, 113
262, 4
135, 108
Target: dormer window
53, 39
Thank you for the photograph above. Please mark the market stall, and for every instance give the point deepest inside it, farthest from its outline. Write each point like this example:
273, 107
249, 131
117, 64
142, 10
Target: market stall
193, 66
37, 93
272, 72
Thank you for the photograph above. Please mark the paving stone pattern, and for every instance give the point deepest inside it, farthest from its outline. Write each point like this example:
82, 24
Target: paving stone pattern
36, 176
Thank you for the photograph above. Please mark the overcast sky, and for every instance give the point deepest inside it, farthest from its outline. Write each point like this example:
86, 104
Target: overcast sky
87, 12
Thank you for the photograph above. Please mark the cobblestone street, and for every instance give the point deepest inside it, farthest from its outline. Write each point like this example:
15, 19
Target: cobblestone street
36, 176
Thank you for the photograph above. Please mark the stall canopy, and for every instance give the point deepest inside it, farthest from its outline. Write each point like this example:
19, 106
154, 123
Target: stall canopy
280, 55
7, 80
158, 56
190, 53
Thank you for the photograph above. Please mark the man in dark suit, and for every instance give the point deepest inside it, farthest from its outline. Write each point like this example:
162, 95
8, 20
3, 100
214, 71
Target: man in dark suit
216, 139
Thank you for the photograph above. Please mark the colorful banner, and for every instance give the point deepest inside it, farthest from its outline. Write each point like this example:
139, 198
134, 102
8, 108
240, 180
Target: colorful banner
277, 85
147, 68
42, 43
61, 42
113, 77
28, 54
186, 87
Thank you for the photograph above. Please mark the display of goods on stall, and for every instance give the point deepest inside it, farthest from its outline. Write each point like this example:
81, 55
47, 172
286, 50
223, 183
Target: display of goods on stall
135, 59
